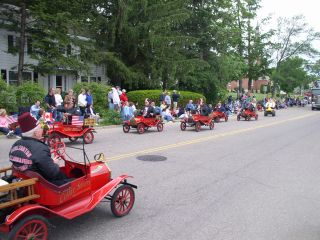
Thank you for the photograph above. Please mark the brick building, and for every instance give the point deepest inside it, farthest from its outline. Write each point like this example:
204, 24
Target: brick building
256, 84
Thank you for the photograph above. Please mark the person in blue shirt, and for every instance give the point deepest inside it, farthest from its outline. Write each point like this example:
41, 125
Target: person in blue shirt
34, 110
89, 98
190, 106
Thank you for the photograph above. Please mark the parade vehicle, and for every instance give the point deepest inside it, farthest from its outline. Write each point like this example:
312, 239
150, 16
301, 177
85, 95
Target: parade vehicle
73, 130
142, 123
218, 115
197, 121
28, 200
247, 114
269, 110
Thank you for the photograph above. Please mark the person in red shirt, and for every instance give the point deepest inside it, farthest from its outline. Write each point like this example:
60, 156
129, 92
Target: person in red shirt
123, 97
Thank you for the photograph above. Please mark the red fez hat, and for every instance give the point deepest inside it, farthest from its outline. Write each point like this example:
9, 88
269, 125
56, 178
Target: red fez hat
27, 122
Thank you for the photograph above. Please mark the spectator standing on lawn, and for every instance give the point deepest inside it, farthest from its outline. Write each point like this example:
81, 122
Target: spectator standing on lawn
34, 110
116, 99
167, 100
123, 97
110, 100
51, 103
59, 102
175, 99
69, 100
82, 102
162, 96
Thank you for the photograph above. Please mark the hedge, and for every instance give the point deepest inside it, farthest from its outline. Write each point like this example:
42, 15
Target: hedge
140, 95
28, 93
99, 93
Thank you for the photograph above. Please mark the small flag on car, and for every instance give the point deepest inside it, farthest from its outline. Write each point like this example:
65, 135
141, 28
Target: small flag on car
77, 120
48, 117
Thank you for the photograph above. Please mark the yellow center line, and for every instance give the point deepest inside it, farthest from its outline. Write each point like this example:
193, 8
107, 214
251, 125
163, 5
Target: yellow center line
204, 139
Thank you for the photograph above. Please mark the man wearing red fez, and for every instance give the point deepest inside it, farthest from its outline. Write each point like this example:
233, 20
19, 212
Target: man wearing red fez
30, 153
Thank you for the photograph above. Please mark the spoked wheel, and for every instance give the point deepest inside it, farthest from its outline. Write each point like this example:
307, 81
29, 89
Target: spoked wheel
160, 127
126, 128
140, 128
198, 126
183, 126
88, 137
226, 118
256, 117
54, 138
73, 139
211, 125
238, 118
122, 201
34, 227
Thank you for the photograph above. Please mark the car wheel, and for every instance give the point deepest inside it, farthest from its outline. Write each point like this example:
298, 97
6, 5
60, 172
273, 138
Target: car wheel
198, 126
31, 227
160, 127
126, 128
122, 201
140, 128
183, 126
88, 137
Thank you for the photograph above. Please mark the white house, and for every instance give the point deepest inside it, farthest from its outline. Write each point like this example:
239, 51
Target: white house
62, 79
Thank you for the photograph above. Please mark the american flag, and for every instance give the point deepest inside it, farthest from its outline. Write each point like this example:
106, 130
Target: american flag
12, 119
77, 120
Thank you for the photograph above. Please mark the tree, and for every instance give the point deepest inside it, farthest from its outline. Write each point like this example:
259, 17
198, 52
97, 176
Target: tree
293, 37
291, 74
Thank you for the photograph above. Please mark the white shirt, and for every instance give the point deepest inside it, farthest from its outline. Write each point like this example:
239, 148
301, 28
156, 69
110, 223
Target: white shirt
58, 99
82, 100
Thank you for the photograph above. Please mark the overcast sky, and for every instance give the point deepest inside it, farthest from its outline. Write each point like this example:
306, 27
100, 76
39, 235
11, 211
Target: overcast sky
289, 8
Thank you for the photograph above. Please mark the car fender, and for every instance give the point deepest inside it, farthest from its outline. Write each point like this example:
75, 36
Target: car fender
26, 211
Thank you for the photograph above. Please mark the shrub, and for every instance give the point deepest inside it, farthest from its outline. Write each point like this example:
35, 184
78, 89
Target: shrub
110, 117
28, 93
99, 93
140, 95
8, 98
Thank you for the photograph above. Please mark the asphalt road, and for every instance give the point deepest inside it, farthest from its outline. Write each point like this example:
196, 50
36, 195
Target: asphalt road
256, 180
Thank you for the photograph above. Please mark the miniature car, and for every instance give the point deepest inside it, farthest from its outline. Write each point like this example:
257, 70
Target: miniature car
269, 110
218, 115
59, 130
247, 114
142, 123
196, 121
28, 199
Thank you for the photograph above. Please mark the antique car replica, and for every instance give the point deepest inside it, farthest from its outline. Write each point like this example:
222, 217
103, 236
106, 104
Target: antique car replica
73, 132
269, 110
196, 121
218, 115
27, 200
247, 114
142, 124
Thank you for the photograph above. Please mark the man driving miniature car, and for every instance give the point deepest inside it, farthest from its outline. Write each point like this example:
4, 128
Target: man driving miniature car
29, 153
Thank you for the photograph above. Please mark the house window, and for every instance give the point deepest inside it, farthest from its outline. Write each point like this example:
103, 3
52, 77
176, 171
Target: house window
26, 76
10, 44
93, 79
13, 78
99, 79
35, 77
84, 79
4, 74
